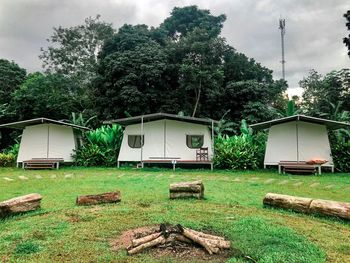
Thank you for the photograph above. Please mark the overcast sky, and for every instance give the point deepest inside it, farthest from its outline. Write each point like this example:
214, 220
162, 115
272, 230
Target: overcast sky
314, 28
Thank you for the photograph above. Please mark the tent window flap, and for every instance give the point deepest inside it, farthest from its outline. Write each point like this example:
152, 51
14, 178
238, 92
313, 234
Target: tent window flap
134, 141
194, 141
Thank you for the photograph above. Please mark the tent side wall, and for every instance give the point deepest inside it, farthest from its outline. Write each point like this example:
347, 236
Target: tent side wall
61, 142
297, 141
281, 144
314, 142
47, 141
34, 143
163, 139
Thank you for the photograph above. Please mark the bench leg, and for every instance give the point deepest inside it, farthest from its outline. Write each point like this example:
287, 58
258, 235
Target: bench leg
279, 169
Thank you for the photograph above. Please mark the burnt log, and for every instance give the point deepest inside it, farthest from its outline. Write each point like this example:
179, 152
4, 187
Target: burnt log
204, 235
210, 248
330, 208
111, 197
297, 204
152, 243
142, 240
20, 204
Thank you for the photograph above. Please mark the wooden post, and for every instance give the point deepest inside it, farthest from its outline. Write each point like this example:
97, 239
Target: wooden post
212, 141
297, 133
142, 141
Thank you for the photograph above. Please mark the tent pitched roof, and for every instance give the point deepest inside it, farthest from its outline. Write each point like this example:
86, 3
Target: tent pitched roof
160, 116
332, 125
23, 124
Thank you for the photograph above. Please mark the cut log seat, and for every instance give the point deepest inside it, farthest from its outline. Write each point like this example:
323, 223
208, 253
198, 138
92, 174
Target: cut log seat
308, 205
187, 189
111, 197
298, 204
20, 204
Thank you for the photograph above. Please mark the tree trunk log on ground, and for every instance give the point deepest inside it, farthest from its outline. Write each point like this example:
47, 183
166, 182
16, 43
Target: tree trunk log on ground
152, 243
308, 205
330, 208
298, 204
20, 204
186, 190
111, 197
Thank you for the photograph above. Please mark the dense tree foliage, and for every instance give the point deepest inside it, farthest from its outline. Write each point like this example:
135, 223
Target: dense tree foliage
323, 94
52, 95
183, 65
11, 76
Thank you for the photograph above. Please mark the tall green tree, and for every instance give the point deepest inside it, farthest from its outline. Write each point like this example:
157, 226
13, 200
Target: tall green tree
321, 92
73, 51
130, 77
53, 96
11, 77
185, 66
184, 20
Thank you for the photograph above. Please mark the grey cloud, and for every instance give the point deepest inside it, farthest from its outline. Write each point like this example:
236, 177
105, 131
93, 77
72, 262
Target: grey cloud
313, 40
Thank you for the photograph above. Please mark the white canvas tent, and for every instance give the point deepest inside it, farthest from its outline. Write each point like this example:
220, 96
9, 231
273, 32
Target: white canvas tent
298, 138
44, 138
165, 139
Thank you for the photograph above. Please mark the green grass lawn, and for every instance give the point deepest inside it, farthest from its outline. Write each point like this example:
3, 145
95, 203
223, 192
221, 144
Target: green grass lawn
62, 232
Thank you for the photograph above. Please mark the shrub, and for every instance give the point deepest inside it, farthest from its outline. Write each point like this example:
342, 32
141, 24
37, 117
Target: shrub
341, 156
7, 159
101, 147
13, 149
242, 152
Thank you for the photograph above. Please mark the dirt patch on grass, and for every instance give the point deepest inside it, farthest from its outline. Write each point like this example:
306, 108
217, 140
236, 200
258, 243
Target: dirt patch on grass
176, 250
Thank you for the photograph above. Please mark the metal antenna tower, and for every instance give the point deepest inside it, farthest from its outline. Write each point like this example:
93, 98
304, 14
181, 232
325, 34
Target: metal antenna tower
282, 27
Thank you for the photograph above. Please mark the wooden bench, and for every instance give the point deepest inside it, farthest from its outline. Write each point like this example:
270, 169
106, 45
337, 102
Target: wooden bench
298, 167
42, 163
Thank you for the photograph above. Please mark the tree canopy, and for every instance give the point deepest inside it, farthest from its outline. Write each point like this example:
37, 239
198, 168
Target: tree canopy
183, 65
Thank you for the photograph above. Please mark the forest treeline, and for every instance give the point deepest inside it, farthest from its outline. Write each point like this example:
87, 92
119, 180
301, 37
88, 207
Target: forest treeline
183, 66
